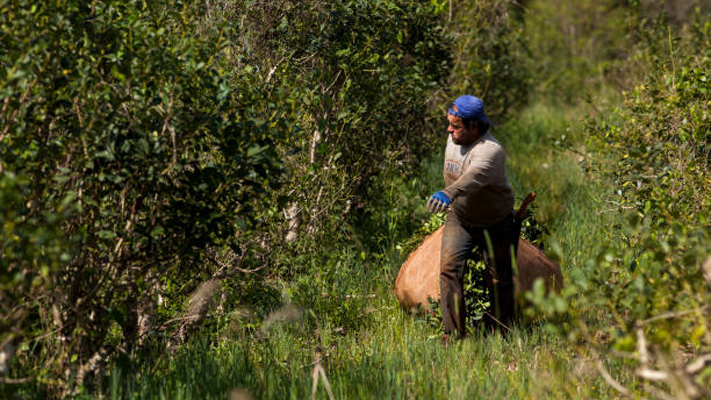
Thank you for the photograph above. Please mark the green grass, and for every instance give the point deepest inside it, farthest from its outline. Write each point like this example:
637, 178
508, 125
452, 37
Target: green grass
547, 154
372, 348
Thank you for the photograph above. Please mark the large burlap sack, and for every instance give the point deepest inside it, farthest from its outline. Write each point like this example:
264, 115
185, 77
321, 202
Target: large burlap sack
418, 278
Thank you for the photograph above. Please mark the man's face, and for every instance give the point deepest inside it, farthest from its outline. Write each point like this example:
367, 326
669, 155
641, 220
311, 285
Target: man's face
460, 134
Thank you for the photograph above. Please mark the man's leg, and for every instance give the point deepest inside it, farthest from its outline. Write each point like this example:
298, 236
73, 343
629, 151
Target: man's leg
456, 250
502, 294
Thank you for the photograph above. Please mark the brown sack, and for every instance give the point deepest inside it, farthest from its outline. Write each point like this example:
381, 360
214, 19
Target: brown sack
418, 278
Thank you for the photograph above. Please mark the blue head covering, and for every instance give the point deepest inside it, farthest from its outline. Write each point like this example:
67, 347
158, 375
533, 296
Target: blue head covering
469, 107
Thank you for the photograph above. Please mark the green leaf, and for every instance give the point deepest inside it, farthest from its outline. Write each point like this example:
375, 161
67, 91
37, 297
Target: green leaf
104, 234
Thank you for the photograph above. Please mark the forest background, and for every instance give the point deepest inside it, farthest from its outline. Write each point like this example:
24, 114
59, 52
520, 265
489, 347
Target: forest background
212, 199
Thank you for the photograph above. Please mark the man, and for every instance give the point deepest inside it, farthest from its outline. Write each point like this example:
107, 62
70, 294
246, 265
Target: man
480, 202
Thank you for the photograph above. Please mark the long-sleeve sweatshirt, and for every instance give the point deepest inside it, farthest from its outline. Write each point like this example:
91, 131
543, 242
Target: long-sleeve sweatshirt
475, 179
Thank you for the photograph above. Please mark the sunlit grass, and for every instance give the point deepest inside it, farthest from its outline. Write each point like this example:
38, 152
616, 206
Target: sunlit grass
547, 155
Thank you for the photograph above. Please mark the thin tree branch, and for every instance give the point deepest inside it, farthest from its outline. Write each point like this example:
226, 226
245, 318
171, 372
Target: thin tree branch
610, 380
699, 364
17, 381
671, 314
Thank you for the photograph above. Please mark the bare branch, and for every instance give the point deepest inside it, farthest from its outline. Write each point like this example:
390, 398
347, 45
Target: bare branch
498, 322
232, 266
671, 314
652, 375
332, 83
610, 380
320, 372
699, 364
642, 347
273, 69
16, 381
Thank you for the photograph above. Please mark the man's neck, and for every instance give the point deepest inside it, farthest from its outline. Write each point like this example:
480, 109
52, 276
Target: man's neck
474, 141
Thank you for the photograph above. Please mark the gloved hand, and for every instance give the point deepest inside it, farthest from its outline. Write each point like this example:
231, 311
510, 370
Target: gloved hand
438, 202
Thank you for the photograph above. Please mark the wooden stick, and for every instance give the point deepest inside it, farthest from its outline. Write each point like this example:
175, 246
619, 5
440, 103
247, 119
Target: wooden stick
526, 202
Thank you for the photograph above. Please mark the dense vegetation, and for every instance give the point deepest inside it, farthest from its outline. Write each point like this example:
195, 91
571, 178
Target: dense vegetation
211, 199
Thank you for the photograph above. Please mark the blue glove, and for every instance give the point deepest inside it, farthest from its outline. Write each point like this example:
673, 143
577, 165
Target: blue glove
438, 202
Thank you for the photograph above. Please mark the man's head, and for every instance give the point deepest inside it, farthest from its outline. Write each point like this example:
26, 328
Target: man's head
467, 120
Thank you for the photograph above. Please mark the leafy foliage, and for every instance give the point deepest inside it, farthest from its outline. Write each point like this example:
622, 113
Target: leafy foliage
577, 48
662, 149
148, 146
132, 151
489, 45
357, 75
645, 295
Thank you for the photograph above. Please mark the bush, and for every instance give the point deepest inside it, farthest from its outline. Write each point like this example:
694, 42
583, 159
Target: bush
133, 151
646, 295
490, 50
577, 49
149, 147
661, 145
357, 76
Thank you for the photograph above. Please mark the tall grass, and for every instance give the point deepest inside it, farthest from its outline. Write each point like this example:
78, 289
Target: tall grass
547, 154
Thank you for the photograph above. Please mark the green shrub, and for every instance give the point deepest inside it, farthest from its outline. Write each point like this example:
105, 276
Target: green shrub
489, 50
133, 151
576, 49
148, 147
645, 296
661, 147
357, 76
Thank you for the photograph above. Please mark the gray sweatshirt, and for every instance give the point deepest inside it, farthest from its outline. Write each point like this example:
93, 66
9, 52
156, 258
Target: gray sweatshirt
476, 181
